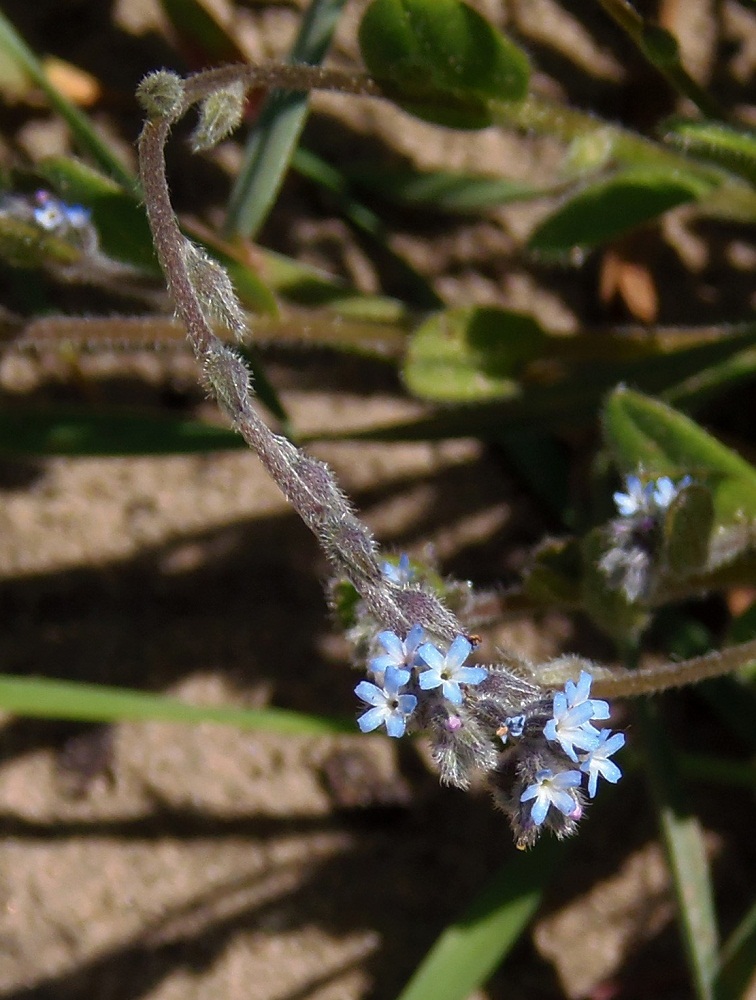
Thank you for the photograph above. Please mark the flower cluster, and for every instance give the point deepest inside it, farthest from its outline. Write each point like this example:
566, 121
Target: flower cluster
635, 536
48, 213
540, 751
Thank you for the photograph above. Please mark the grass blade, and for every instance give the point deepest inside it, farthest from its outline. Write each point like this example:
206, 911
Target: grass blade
14, 48
276, 133
737, 969
469, 950
45, 698
686, 855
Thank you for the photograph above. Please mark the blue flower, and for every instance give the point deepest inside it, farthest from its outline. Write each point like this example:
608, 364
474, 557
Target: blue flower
390, 708
447, 671
400, 574
597, 761
577, 694
401, 654
637, 500
665, 490
552, 789
570, 725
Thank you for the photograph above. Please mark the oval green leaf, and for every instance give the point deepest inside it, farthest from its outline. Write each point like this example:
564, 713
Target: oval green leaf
644, 433
610, 207
441, 61
472, 355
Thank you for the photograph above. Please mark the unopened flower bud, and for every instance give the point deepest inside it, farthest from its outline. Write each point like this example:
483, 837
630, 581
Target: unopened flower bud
161, 94
220, 114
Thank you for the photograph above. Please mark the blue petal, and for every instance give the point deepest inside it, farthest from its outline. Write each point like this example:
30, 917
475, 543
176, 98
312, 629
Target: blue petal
370, 693
470, 675
430, 655
395, 679
380, 663
458, 652
539, 809
564, 802
393, 645
599, 708
452, 692
371, 720
395, 725
406, 704
429, 679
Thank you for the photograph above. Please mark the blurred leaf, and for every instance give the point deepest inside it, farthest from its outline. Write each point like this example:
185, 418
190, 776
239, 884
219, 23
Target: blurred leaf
120, 220
715, 142
612, 206
686, 853
125, 233
274, 137
22, 244
201, 34
554, 576
687, 530
469, 950
418, 291
737, 969
561, 389
440, 60
68, 431
645, 433
442, 190
14, 49
467, 355
45, 698
608, 606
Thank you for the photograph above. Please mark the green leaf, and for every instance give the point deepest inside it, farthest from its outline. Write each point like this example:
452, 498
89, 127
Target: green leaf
736, 965
22, 244
469, 950
687, 530
645, 433
45, 698
715, 142
120, 220
610, 207
201, 33
68, 431
686, 854
274, 138
14, 49
440, 60
442, 190
470, 355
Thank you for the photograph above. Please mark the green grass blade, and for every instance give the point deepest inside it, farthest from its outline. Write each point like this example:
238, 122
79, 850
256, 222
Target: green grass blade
686, 855
14, 48
276, 133
469, 950
67, 431
44, 698
737, 968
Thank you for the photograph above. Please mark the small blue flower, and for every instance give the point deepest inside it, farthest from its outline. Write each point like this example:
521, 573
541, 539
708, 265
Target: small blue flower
390, 708
400, 574
597, 761
577, 694
401, 654
570, 725
637, 500
447, 671
665, 490
552, 789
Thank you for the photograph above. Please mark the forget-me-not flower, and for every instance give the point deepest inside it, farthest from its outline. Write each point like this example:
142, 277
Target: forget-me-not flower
551, 789
637, 500
597, 761
400, 574
390, 708
399, 653
570, 725
447, 671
